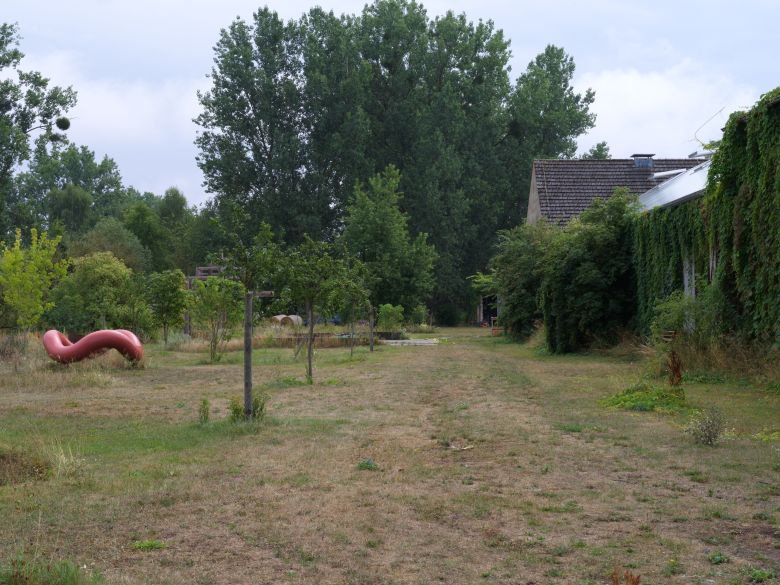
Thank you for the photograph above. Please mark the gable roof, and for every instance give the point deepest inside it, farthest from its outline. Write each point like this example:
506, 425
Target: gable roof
566, 188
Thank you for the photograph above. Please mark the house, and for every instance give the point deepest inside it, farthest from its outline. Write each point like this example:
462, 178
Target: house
562, 189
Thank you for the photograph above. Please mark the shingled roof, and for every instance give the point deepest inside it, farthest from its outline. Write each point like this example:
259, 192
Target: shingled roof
565, 188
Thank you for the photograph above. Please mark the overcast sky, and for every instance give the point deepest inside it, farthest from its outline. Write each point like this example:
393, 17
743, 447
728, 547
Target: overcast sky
660, 69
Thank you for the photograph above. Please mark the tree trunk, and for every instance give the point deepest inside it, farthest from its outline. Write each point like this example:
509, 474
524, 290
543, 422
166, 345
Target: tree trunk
352, 337
165, 334
248, 354
310, 349
370, 327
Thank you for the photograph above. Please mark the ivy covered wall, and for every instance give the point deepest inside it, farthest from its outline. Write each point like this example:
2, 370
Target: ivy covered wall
736, 225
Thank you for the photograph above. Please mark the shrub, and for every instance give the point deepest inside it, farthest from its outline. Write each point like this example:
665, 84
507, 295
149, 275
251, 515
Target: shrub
418, 315
707, 427
588, 285
390, 317
236, 408
646, 397
204, 411
516, 276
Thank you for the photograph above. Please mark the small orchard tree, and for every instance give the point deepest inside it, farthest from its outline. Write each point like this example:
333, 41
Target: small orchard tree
254, 266
314, 277
167, 298
353, 296
216, 308
27, 274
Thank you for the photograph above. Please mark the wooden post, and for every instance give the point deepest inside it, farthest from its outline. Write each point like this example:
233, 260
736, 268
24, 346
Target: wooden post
248, 354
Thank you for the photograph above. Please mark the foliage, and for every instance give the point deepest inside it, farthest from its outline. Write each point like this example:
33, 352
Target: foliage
236, 409
79, 183
216, 305
300, 111
599, 151
729, 236
92, 295
71, 208
110, 235
144, 222
133, 312
588, 284
644, 397
149, 545
390, 317
707, 427
37, 571
167, 298
27, 105
26, 276
417, 315
204, 411
254, 264
353, 295
757, 575
516, 276
376, 232
718, 558
696, 321
314, 277
367, 464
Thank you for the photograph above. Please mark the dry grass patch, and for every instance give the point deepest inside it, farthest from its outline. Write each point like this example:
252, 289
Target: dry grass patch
474, 461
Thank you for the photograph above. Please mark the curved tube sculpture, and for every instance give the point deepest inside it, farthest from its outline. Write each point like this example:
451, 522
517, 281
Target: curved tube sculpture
62, 350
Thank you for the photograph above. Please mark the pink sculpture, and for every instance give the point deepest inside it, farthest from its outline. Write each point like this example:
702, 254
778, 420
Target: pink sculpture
62, 350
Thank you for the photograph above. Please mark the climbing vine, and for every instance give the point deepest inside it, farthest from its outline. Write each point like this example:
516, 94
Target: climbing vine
736, 225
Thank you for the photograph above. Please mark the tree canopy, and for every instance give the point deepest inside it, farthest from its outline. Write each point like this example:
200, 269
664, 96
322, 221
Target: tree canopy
299, 111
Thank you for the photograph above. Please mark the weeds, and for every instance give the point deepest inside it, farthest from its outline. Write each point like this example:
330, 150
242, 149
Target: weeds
718, 558
236, 409
367, 464
672, 567
760, 575
149, 545
707, 427
39, 572
204, 411
645, 397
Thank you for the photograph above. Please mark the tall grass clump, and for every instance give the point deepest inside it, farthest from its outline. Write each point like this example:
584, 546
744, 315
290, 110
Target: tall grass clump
36, 571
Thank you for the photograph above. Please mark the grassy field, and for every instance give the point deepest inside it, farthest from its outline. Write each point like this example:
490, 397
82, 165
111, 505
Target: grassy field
474, 461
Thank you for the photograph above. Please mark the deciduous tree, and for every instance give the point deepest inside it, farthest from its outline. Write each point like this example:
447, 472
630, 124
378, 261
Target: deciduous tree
28, 108
167, 298
27, 274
